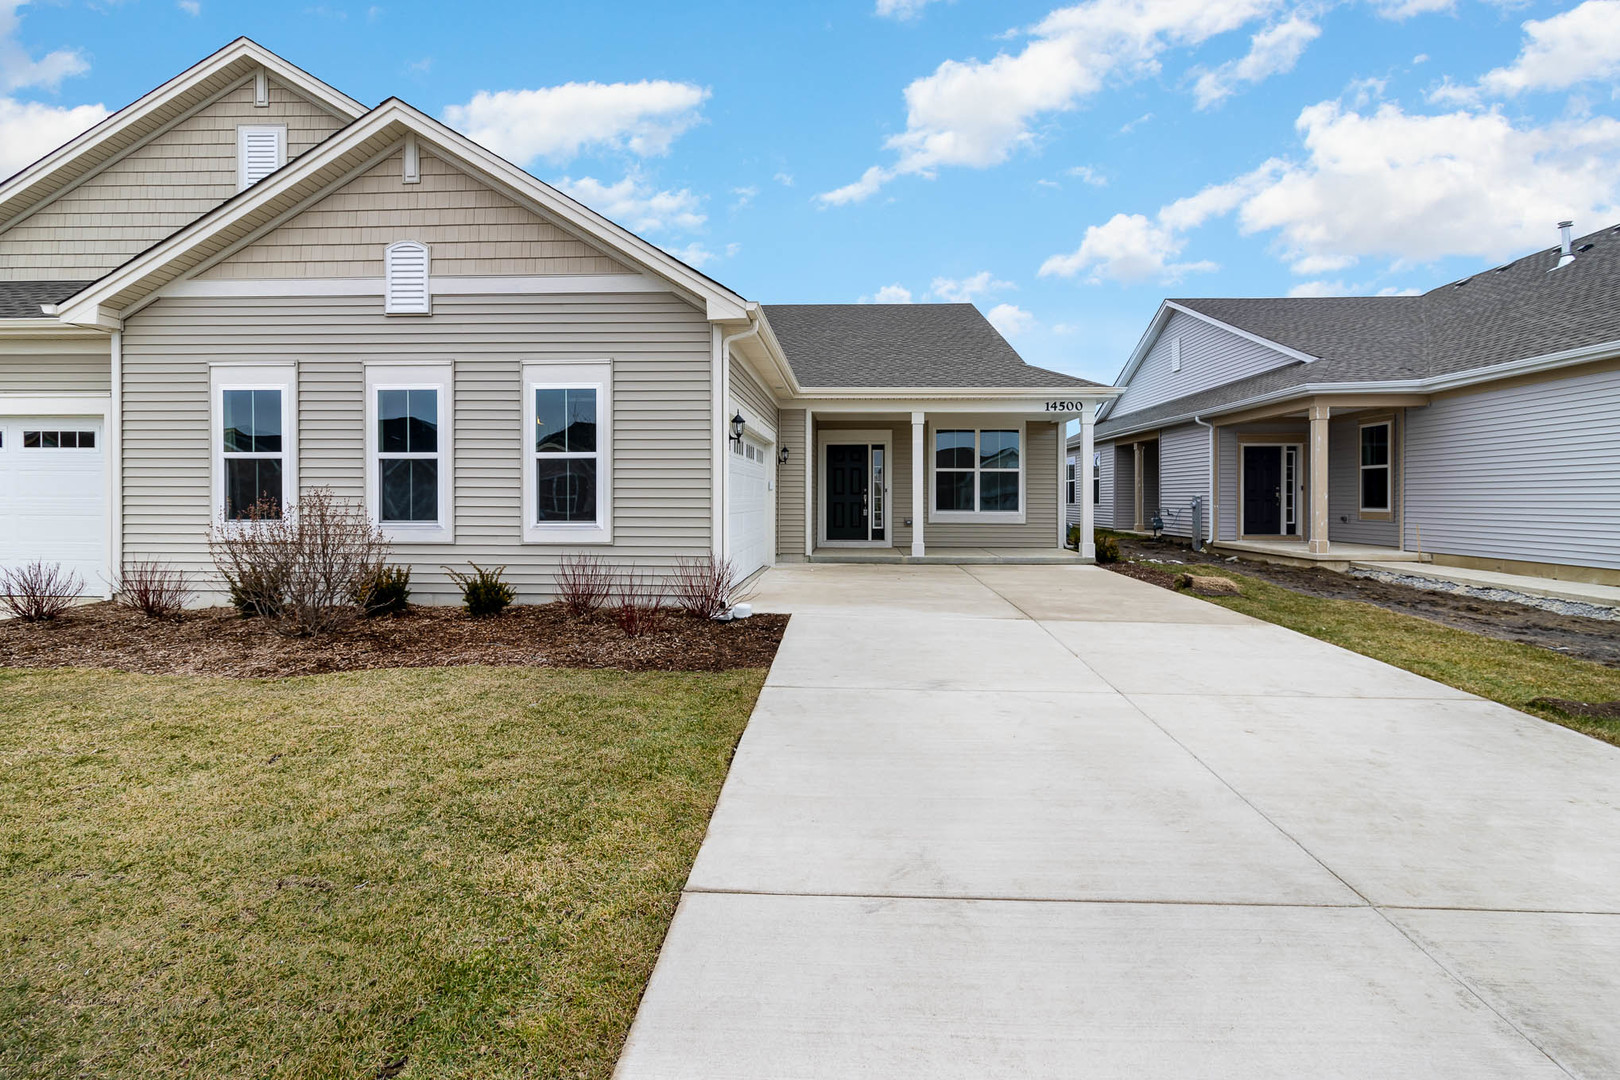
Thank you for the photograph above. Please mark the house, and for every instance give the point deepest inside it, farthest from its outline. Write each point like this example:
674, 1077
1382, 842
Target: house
247, 284
1475, 425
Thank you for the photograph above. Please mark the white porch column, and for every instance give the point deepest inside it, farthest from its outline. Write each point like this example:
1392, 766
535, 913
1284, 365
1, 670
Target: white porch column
919, 484
1082, 469
812, 527
1319, 478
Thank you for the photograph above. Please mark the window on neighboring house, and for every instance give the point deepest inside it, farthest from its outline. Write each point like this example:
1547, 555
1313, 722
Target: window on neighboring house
253, 452
1096, 479
406, 272
1375, 467
1068, 483
410, 442
260, 151
568, 454
977, 471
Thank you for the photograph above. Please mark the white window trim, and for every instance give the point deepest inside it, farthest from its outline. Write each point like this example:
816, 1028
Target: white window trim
573, 375
1069, 478
983, 517
1096, 478
1388, 467
283, 377
390, 305
883, 437
413, 376
242, 133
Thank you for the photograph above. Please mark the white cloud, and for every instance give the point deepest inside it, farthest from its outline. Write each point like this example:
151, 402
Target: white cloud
560, 122
1272, 51
19, 70
29, 130
1087, 174
978, 113
693, 254
785, 179
1386, 184
963, 290
1400, 10
1579, 45
745, 195
190, 7
889, 294
1010, 319
901, 9
1340, 288
635, 204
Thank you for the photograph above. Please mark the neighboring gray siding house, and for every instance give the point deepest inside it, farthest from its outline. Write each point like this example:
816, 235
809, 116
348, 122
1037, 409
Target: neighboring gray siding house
248, 285
1477, 424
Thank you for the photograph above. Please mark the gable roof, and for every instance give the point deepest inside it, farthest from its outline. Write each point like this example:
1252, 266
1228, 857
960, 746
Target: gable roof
23, 299
260, 208
152, 112
902, 345
1516, 312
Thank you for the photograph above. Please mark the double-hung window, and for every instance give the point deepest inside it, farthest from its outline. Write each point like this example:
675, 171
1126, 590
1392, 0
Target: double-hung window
254, 467
409, 444
1068, 484
568, 453
978, 474
1096, 478
1376, 486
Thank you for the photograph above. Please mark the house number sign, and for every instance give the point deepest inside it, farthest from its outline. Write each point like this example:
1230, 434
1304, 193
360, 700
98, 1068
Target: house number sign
1065, 406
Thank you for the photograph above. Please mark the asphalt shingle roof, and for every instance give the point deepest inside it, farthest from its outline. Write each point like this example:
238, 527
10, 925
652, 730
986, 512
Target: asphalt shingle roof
901, 345
21, 299
1511, 312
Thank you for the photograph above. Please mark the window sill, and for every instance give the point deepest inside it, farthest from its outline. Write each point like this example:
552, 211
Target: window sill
402, 533
567, 534
975, 517
1376, 515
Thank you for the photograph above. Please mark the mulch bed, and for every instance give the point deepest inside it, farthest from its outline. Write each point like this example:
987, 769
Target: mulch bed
218, 641
1164, 579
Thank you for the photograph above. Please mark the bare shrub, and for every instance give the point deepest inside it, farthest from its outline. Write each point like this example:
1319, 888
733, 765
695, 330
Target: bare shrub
302, 567
38, 591
584, 583
155, 589
640, 605
703, 587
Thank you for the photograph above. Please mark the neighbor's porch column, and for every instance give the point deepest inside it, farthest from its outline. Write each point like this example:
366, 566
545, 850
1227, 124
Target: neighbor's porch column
1140, 493
1319, 478
1082, 471
919, 485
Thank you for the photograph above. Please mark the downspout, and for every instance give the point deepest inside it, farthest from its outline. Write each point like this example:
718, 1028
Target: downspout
1214, 463
723, 408
115, 467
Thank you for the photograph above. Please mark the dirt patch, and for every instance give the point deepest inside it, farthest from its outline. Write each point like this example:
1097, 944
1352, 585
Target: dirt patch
1143, 572
1591, 710
1590, 639
218, 641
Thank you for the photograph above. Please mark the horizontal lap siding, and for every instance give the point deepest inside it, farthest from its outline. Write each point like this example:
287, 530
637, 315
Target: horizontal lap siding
1344, 487
32, 370
1228, 494
660, 347
1210, 357
751, 393
1105, 504
1041, 497
1124, 487
1183, 475
1529, 473
155, 190
469, 228
790, 487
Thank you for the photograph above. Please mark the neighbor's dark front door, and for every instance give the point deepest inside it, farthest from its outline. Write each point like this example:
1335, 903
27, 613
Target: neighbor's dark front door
847, 480
1262, 490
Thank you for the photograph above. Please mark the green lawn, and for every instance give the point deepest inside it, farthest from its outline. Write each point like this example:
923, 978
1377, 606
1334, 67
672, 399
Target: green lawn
1505, 671
315, 877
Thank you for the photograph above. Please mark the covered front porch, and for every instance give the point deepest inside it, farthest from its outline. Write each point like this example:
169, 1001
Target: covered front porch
974, 480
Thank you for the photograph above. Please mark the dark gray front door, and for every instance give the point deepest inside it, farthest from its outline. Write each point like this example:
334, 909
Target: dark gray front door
1262, 490
847, 485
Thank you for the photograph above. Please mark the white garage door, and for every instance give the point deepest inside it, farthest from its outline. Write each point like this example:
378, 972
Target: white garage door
53, 496
750, 506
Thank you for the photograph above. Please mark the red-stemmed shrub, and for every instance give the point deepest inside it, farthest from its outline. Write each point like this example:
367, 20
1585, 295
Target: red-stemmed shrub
39, 591
584, 584
703, 586
640, 603
155, 589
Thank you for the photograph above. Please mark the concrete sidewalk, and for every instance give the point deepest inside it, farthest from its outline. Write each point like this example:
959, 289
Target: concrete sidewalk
1051, 822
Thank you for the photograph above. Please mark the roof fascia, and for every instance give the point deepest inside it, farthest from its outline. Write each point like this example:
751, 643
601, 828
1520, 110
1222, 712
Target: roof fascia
1303, 357
45, 327
946, 393
242, 48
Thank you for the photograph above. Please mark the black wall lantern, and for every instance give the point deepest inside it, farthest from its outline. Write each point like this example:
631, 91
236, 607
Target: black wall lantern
737, 424
782, 455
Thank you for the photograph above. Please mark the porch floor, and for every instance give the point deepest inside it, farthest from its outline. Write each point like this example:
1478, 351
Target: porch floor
1297, 553
952, 556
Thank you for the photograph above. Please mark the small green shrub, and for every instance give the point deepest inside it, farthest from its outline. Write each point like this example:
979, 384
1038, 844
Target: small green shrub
1074, 537
1107, 548
385, 592
482, 591
257, 592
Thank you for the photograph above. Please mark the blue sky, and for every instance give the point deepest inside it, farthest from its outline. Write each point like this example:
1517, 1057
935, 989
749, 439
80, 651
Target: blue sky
1064, 167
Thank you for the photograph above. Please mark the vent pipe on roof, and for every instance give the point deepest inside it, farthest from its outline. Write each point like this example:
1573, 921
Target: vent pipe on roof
1565, 254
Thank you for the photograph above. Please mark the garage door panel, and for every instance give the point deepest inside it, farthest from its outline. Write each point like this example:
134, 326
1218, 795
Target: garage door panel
53, 500
750, 523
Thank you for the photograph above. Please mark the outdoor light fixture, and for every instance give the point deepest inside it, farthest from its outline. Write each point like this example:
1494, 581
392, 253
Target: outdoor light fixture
782, 456
737, 424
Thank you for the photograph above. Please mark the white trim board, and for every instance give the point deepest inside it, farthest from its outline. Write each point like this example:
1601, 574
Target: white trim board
438, 286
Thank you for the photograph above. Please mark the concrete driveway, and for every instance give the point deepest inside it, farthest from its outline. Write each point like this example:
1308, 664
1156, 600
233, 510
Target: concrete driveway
1004, 821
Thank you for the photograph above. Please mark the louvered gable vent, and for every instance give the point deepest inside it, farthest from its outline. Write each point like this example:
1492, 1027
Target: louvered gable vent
407, 272
260, 152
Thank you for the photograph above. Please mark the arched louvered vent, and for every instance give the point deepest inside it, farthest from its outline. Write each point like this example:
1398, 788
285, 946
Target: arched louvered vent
407, 285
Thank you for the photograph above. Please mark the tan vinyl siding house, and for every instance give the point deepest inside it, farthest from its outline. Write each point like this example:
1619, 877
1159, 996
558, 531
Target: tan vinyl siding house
228, 333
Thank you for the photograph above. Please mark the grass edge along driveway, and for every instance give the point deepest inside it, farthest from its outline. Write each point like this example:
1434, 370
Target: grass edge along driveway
468, 868
1508, 672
